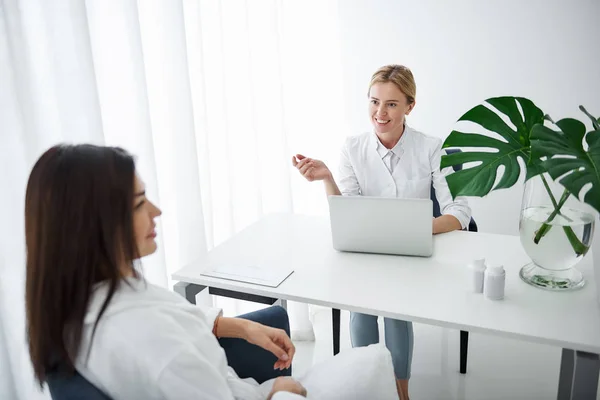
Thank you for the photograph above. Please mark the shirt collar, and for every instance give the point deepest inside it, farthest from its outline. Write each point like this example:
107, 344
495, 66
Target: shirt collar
397, 149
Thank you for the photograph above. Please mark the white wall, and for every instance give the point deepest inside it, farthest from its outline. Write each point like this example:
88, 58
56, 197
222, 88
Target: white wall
462, 52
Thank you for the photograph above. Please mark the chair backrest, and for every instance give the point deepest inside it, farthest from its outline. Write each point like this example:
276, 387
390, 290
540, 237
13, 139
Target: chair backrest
73, 387
436, 204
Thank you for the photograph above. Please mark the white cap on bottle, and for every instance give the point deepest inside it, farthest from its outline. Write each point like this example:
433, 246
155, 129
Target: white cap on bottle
478, 264
495, 269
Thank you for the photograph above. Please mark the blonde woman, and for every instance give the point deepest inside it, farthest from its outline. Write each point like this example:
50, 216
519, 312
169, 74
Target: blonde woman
393, 160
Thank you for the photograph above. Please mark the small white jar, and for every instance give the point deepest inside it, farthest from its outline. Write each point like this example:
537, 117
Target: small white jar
494, 282
477, 270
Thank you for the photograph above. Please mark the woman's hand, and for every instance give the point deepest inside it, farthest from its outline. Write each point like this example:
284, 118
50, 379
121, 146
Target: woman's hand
446, 223
274, 340
311, 169
287, 384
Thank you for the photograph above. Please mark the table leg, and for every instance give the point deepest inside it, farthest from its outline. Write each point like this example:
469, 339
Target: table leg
188, 290
464, 350
336, 319
578, 379
565, 377
283, 303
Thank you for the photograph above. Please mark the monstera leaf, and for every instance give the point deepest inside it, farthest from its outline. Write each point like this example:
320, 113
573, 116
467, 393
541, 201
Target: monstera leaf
595, 122
566, 159
479, 179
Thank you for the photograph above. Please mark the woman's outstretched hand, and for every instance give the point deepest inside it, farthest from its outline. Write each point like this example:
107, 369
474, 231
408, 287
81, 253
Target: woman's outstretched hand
311, 169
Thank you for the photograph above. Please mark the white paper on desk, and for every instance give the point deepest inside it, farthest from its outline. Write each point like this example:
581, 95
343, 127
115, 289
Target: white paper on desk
271, 277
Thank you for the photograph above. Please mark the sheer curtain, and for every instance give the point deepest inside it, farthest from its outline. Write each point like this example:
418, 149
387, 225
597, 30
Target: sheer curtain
212, 97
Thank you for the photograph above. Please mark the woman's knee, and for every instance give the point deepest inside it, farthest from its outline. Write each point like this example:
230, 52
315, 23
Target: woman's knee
364, 330
278, 318
397, 323
397, 328
363, 319
275, 317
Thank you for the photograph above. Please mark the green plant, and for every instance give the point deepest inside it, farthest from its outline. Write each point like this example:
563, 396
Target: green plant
561, 154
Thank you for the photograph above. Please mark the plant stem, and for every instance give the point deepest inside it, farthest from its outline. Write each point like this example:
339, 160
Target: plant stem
578, 247
553, 200
545, 228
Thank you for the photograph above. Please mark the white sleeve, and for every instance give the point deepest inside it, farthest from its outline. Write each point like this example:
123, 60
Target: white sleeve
347, 181
210, 313
457, 207
189, 375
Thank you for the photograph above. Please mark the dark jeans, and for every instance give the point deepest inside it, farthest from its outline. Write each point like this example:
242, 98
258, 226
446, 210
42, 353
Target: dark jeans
250, 361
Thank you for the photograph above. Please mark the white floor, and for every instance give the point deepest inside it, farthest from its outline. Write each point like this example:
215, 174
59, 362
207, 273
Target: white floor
497, 368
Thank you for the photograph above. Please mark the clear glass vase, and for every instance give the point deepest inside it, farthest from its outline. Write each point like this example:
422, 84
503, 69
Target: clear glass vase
556, 231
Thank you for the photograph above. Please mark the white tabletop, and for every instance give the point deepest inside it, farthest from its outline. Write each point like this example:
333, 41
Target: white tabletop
432, 290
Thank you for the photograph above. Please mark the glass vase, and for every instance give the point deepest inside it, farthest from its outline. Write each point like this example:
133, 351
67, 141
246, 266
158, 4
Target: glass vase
556, 231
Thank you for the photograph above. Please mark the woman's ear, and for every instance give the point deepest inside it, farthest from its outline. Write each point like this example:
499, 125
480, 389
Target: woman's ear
410, 107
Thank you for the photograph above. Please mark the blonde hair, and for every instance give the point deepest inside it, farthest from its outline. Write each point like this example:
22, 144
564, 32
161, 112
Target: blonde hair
400, 76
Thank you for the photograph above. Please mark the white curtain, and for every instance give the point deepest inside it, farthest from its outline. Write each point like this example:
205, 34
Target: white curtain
213, 98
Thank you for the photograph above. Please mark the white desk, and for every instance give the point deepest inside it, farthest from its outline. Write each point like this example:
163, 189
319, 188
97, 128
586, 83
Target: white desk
429, 290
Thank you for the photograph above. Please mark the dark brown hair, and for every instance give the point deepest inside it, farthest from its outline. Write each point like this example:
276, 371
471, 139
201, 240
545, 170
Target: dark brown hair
79, 231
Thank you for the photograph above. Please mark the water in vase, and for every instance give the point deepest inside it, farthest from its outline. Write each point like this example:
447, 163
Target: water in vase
562, 242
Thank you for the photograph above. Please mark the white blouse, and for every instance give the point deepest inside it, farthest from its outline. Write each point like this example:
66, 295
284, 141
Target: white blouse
151, 344
367, 168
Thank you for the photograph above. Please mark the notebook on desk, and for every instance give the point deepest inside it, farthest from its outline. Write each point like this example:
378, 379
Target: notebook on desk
271, 277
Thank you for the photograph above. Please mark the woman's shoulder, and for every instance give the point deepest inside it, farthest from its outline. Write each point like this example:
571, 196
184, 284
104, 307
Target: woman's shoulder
424, 143
143, 325
130, 294
142, 313
358, 140
424, 138
140, 303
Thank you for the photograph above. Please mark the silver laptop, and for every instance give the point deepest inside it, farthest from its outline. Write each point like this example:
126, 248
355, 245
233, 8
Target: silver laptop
382, 225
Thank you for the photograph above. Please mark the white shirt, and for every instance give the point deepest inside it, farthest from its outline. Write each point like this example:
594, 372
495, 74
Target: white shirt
367, 168
391, 157
152, 344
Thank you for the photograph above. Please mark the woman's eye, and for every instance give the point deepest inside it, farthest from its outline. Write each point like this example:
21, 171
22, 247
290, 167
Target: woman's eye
373, 101
392, 105
139, 205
